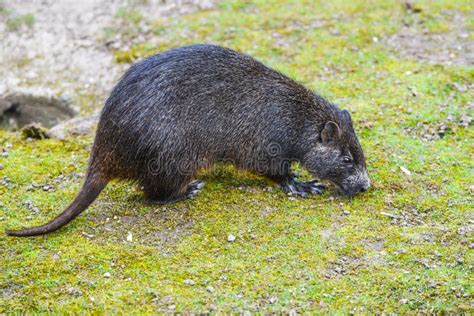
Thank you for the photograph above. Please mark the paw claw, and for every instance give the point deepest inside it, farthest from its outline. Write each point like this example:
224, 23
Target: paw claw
194, 187
303, 188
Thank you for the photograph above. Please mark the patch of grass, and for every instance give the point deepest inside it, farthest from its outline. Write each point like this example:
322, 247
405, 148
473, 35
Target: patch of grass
404, 246
130, 15
17, 22
129, 21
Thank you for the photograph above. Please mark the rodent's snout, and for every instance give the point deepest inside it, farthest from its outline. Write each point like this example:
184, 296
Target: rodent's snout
355, 184
365, 186
357, 190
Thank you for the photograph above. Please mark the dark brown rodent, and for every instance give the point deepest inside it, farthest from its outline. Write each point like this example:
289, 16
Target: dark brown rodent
185, 109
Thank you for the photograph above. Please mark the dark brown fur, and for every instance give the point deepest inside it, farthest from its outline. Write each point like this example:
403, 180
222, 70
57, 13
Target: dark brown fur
177, 112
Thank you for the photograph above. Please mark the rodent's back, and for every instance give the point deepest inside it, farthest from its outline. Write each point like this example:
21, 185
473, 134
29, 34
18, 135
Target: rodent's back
201, 98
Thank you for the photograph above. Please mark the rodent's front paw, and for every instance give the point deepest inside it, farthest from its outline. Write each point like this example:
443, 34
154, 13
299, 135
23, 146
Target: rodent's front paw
302, 189
313, 186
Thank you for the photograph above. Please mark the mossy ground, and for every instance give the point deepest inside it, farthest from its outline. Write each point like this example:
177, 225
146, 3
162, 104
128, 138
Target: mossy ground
406, 245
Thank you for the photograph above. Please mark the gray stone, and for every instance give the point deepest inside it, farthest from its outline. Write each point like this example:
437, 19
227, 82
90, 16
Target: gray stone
33, 105
74, 127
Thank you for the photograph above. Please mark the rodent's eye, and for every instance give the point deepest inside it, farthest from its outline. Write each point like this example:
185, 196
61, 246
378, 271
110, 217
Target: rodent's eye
347, 159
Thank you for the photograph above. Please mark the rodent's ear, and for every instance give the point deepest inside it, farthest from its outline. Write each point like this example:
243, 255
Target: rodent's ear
331, 133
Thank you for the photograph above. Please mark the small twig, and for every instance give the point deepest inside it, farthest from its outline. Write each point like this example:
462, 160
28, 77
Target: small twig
390, 215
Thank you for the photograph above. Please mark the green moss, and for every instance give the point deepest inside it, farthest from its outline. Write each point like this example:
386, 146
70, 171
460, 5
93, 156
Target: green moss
402, 247
16, 22
129, 15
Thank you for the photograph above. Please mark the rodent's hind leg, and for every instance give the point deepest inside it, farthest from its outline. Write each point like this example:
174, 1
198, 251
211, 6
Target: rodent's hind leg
192, 188
293, 186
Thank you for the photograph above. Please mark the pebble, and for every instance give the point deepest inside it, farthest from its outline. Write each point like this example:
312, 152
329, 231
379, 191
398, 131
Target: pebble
1, 167
230, 238
189, 282
210, 289
107, 275
223, 278
129, 237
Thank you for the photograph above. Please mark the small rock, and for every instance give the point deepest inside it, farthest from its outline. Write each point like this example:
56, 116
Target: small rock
189, 282
73, 127
231, 238
210, 289
129, 237
400, 251
345, 212
414, 92
460, 87
404, 301
107, 275
172, 307
223, 278
1, 167
465, 120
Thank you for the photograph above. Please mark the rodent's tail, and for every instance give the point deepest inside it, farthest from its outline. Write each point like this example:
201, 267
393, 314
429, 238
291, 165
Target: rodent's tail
93, 185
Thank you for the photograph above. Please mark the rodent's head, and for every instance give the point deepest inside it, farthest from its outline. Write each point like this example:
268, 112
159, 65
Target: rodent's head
338, 156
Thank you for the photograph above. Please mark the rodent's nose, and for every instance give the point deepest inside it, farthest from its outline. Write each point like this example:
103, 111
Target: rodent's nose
364, 187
